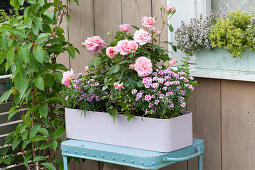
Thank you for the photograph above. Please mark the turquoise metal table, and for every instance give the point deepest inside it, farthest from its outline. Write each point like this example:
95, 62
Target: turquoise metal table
137, 158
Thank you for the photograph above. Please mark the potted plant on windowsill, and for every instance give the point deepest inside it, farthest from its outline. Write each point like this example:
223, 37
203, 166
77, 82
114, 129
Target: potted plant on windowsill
125, 97
224, 43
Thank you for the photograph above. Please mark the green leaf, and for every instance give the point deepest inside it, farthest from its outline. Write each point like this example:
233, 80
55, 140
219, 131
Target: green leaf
77, 2
140, 83
105, 87
38, 53
71, 51
12, 112
114, 69
25, 135
34, 130
26, 160
42, 38
96, 61
48, 14
21, 2
39, 83
44, 131
49, 166
53, 145
114, 113
5, 96
16, 142
174, 48
37, 138
40, 158
44, 146
44, 110
59, 132
171, 28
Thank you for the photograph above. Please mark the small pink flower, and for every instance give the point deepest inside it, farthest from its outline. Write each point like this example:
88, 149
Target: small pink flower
67, 76
133, 45
131, 66
148, 22
172, 62
169, 8
158, 32
143, 66
116, 85
66, 98
86, 68
124, 27
142, 37
123, 47
111, 52
120, 86
134, 91
94, 44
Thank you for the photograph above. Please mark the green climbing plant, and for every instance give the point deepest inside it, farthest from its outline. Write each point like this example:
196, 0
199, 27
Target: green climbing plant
31, 44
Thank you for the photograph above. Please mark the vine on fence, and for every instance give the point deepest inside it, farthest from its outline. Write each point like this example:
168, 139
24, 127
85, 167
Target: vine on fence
30, 45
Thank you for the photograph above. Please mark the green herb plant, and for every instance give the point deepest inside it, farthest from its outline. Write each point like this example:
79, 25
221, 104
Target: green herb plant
230, 33
31, 44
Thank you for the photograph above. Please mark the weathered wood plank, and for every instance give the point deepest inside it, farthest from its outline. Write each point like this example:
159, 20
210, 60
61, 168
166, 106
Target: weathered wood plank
81, 27
5, 107
238, 124
8, 127
4, 117
206, 108
107, 18
134, 10
156, 5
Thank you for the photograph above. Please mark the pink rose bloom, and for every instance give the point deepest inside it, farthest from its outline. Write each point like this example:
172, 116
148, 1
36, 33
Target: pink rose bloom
67, 76
158, 32
120, 86
124, 27
116, 85
148, 22
94, 44
169, 8
142, 37
111, 52
123, 47
172, 62
133, 45
131, 66
143, 66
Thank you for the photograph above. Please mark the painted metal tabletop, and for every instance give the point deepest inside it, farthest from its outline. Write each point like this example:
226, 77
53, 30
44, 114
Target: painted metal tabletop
138, 158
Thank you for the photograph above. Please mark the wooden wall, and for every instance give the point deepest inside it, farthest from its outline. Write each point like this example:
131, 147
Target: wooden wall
223, 111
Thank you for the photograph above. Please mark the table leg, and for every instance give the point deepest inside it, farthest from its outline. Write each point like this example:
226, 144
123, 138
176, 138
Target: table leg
200, 162
65, 163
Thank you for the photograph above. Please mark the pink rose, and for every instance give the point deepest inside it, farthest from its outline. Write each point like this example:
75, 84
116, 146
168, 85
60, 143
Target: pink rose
133, 45
111, 52
116, 85
169, 8
131, 66
158, 32
148, 22
142, 37
120, 86
143, 66
123, 47
94, 44
124, 27
172, 62
67, 76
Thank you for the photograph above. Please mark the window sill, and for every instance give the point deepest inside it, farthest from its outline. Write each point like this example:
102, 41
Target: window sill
214, 74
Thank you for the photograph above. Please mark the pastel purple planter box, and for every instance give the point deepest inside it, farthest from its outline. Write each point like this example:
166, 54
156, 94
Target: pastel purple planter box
161, 135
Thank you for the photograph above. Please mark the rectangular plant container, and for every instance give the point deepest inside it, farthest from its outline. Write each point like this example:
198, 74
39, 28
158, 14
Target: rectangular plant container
221, 60
161, 135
